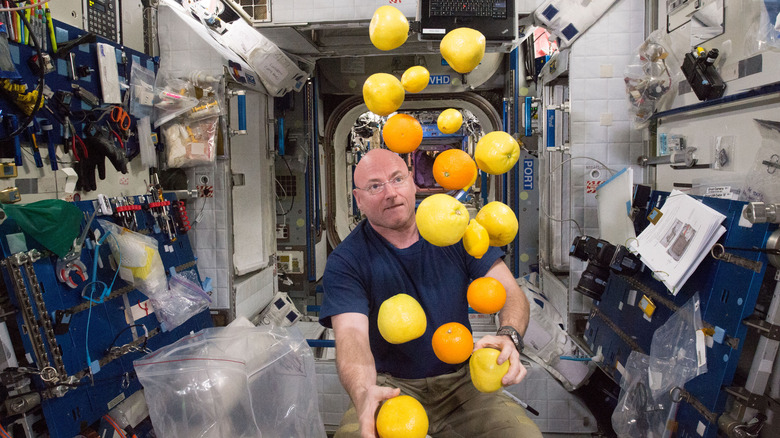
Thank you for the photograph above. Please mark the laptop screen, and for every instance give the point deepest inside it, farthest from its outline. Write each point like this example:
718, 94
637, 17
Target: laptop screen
494, 18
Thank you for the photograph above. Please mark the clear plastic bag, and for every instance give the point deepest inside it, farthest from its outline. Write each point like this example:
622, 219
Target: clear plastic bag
233, 382
138, 258
173, 97
677, 350
141, 91
763, 26
638, 413
763, 179
649, 79
191, 143
183, 300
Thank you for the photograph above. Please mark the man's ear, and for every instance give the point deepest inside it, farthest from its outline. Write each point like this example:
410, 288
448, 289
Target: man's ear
356, 197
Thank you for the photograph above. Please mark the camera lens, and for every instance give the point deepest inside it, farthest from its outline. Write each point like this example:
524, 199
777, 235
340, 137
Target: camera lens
593, 281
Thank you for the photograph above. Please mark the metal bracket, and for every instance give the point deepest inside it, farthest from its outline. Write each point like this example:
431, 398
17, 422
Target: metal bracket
755, 401
769, 331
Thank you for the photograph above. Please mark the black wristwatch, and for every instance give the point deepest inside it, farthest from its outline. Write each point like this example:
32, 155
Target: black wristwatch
510, 331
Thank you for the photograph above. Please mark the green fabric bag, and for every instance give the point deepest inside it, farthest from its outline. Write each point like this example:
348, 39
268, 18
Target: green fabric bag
52, 222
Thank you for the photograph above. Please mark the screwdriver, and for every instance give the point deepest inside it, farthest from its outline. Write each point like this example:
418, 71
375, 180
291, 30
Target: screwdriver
31, 128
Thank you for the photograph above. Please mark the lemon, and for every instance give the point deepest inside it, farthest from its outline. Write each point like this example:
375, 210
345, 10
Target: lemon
415, 79
402, 417
383, 93
449, 121
401, 319
388, 28
463, 49
486, 373
500, 222
442, 219
496, 152
476, 239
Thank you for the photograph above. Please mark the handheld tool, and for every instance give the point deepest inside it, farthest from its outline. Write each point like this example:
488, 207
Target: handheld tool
12, 126
71, 263
31, 128
47, 128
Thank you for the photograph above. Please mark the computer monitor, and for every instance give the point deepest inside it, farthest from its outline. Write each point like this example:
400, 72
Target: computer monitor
496, 19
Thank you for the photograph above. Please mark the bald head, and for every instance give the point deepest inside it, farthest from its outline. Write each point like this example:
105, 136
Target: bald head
374, 164
390, 210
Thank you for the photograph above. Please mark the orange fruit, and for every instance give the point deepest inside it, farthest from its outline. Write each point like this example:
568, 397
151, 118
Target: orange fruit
452, 343
402, 133
486, 295
454, 169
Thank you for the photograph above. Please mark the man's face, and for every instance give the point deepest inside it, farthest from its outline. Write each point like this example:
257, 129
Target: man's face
393, 206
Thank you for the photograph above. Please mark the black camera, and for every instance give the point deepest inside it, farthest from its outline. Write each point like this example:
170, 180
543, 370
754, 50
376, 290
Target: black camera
603, 258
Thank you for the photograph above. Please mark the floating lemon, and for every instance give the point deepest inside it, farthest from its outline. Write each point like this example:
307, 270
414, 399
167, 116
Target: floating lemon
388, 28
449, 121
442, 219
476, 240
383, 94
415, 79
463, 49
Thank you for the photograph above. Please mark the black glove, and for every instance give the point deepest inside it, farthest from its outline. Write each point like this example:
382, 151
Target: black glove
99, 147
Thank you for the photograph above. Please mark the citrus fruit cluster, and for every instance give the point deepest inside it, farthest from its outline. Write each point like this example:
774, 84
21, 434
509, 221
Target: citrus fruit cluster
442, 219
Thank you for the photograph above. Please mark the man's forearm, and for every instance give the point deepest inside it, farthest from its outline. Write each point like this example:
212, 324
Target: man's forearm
516, 310
356, 367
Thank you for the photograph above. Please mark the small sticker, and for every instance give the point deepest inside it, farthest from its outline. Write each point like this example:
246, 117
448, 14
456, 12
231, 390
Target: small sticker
647, 306
654, 216
620, 306
701, 428
631, 299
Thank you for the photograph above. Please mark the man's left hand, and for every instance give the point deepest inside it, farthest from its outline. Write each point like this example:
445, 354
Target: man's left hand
517, 371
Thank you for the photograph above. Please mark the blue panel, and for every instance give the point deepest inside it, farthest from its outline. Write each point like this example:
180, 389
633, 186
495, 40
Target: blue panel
550, 130
87, 403
569, 31
728, 295
549, 12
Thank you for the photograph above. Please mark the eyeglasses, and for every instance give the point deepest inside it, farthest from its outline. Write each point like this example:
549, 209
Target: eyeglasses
377, 188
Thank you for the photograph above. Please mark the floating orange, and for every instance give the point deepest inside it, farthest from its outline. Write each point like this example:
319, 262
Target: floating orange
454, 169
402, 133
486, 295
452, 343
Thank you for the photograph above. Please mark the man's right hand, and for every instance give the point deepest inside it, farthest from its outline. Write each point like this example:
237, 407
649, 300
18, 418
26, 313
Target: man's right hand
367, 406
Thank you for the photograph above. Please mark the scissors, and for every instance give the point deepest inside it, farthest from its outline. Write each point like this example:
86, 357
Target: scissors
120, 117
72, 260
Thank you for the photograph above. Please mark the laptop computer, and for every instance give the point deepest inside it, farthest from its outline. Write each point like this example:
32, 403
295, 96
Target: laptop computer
496, 19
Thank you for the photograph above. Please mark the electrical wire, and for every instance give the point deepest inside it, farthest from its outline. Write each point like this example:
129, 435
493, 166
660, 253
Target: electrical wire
41, 68
547, 181
292, 200
115, 426
3, 433
21, 8
146, 331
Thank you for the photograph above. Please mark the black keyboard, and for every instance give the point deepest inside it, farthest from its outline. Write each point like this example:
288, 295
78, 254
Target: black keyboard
474, 8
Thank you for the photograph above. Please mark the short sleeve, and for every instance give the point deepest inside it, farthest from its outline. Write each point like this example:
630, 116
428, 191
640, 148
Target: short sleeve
344, 289
479, 267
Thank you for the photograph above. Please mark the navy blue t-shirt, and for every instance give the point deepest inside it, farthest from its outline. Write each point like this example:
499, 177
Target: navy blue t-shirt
365, 270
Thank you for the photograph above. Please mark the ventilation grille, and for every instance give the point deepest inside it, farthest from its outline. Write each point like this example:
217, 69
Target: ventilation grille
286, 186
259, 10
